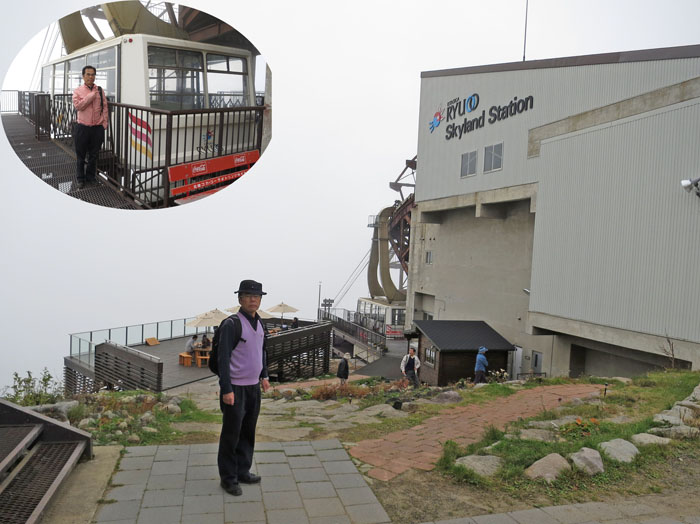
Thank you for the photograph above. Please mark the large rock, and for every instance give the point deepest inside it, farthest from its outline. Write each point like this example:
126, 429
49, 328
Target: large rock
58, 411
541, 435
484, 465
690, 405
548, 468
133, 439
620, 450
147, 418
588, 460
552, 424
683, 412
86, 422
447, 397
672, 420
173, 409
643, 439
383, 410
676, 432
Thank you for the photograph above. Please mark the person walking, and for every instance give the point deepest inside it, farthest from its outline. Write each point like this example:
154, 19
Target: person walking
242, 362
92, 110
409, 367
481, 365
343, 369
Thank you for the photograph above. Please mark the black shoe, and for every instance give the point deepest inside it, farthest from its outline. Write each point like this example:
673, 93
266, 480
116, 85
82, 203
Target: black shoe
250, 478
81, 185
233, 489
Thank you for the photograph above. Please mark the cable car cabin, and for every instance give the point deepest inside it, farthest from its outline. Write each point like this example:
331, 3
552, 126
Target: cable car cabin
183, 117
380, 316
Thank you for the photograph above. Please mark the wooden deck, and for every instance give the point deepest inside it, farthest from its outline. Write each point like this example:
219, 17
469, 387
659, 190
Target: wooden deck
173, 373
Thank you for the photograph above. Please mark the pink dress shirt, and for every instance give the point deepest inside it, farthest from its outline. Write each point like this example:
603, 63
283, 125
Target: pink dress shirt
87, 104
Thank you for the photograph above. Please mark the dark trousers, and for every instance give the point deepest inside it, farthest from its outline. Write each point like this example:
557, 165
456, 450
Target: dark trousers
412, 377
237, 439
479, 377
88, 140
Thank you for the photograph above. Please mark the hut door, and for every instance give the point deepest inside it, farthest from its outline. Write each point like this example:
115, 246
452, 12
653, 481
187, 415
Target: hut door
536, 362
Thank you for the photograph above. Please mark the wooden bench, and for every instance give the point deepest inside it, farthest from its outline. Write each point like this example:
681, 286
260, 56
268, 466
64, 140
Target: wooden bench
202, 359
185, 359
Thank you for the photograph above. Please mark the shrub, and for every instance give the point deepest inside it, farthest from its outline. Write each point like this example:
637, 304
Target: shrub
30, 391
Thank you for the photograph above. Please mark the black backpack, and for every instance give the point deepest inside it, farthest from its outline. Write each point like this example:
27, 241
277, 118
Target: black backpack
214, 354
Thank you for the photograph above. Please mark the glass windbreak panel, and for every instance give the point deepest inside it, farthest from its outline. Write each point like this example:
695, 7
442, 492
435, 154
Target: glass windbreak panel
46, 79
134, 335
189, 330
74, 346
59, 79
164, 331
118, 336
150, 331
178, 328
98, 337
84, 350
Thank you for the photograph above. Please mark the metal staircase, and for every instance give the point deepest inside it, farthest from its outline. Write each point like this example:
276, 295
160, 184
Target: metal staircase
36, 454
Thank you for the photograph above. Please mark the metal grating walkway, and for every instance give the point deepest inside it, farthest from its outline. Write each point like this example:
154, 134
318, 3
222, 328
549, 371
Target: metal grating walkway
11, 437
25, 496
55, 166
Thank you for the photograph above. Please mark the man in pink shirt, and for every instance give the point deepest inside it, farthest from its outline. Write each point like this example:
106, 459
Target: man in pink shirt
93, 116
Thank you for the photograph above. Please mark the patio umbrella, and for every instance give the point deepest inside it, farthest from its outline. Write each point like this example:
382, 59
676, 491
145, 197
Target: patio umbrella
262, 313
283, 308
208, 319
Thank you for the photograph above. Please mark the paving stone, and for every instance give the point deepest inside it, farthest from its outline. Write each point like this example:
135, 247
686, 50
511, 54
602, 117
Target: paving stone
345, 466
270, 457
202, 472
316, 490
532, 516
347, 480
634, 509
662, 520
162, 497
202, 459
304, 462
691, 520
310, 475
124, 521
290, 516
166, 482
128, 464
599, 511
127, 492
298, 451
352, 496
274, 470
267, 446
205, 448
326, 507
567, 514
244, 511
177, 454
202, 487
278, 484
295, 443
197, 504
326, 444
622, 521
464, 520
327, 455
169, 468
209, 518
118, 511
282, 500
500, 518
136, 476
141, 451
336, 519
160, 515
367, 514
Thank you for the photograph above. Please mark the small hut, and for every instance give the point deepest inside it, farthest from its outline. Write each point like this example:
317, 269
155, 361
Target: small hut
447, 349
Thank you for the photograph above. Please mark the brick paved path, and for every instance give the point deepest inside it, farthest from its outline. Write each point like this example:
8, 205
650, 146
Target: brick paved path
463, 425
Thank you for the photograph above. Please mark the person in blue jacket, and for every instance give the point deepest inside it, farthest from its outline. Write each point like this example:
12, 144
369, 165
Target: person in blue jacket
481, 365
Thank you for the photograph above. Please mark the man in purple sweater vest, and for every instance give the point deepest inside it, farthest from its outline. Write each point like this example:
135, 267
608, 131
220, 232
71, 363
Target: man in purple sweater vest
242, 367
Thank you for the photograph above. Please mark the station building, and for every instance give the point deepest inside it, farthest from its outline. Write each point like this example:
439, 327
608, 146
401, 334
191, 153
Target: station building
549, 205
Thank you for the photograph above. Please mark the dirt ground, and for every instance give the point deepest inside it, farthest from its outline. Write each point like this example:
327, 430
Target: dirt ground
677, 482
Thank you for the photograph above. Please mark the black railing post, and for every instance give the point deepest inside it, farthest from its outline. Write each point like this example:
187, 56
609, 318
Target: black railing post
168, 147
259, 130
221, 135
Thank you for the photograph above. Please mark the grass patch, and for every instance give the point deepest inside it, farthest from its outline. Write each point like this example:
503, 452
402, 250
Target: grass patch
191, 413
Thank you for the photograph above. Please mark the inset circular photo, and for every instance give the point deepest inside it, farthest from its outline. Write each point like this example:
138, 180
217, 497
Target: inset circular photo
138, 105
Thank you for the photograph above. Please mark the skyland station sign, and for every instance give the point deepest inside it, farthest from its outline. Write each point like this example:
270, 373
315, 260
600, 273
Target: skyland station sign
464, 108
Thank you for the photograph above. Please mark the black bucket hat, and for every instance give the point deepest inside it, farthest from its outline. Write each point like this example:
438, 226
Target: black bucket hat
250, 287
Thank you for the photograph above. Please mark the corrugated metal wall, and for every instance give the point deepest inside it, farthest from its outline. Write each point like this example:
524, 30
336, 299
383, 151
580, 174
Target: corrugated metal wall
558, 93
617, 240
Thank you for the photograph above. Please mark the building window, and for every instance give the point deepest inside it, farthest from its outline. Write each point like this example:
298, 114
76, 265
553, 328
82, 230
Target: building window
430, 356
493, 157
468, 164
428, 257
226, 81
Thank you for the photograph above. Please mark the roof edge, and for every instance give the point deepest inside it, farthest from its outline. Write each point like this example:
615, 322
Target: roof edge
641, 55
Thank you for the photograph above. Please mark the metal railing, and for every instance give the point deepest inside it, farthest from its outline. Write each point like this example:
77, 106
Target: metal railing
142, 143
375, 342
36, 107
373, 323
82, 345
9, 101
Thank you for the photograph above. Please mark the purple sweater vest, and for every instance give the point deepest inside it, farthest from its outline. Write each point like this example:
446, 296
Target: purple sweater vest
246, 358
